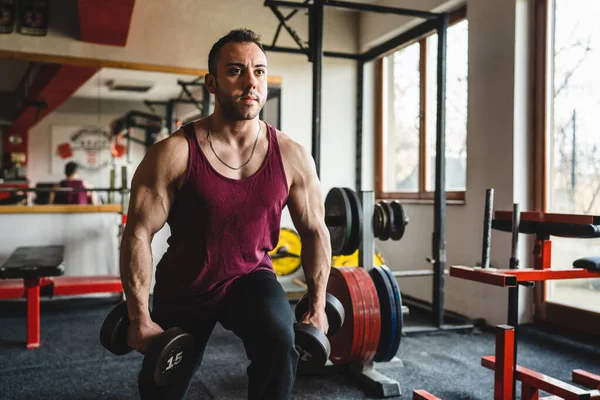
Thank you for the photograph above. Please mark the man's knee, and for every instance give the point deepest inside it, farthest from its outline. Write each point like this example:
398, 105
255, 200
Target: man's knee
276, 342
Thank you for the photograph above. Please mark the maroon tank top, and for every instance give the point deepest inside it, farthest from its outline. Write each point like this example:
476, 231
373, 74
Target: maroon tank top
221, 228
71, 197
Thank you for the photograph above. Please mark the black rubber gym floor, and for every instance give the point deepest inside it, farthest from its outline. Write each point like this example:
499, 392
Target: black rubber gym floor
71, 364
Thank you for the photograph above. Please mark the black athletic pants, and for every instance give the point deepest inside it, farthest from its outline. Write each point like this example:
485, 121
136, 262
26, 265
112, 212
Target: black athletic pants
256, 310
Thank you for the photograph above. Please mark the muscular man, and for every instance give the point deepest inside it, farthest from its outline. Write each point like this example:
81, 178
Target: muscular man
72, 181
221, 184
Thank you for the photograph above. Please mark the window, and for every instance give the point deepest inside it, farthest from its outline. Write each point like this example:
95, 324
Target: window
567, 104
406, 138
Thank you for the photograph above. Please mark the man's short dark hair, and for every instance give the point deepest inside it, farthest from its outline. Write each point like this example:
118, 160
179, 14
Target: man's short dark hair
71, 168
237, 36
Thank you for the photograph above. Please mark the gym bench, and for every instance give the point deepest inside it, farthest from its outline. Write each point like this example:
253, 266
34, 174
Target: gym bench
35, 271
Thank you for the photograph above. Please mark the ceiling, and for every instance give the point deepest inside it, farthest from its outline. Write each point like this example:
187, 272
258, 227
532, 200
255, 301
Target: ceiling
98, 23
163, 85
12, 72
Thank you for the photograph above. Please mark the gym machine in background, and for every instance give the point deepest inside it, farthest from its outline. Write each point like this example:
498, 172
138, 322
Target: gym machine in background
434, 22
543, 225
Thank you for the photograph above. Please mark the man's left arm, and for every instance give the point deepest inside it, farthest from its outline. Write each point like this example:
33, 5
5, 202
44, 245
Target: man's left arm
306, 206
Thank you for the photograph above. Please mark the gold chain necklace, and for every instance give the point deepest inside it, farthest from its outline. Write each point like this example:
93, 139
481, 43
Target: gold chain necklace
223, 162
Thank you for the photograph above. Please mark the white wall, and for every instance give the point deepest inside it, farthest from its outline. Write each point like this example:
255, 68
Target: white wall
180, 33
498, 145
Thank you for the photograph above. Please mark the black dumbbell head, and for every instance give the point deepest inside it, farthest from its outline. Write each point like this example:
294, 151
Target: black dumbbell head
333, 308
113, 334
313, 346
335, 314
170, 357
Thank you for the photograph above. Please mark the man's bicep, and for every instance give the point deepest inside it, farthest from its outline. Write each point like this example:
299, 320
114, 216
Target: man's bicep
151, 197
306, 200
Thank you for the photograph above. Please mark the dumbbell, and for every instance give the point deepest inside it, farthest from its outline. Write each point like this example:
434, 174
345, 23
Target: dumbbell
311, 342
169, 357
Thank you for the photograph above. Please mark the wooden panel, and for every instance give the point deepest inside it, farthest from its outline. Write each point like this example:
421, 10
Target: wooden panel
541, 55
100, 63
61, 209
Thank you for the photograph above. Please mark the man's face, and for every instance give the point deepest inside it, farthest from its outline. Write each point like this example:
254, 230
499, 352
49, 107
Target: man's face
240, 87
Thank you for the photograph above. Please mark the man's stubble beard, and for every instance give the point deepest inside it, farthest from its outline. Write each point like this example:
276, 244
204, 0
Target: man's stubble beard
231, 112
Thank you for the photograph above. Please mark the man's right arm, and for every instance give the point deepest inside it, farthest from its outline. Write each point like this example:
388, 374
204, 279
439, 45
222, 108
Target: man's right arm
153, 191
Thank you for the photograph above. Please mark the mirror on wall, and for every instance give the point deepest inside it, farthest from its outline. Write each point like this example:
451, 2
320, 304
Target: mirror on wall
102, 119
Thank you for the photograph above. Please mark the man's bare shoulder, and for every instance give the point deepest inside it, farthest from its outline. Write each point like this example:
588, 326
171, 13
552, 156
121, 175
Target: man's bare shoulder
297, 160
168, 156
292, 151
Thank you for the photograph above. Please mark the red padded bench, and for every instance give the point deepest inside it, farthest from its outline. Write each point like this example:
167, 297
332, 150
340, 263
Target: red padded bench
32, 272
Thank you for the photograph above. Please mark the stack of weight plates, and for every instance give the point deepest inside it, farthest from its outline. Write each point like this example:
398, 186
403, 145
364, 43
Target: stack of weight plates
373, 326
357, 341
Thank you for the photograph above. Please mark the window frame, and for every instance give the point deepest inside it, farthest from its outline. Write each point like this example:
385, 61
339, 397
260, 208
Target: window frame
422, 194
563, 318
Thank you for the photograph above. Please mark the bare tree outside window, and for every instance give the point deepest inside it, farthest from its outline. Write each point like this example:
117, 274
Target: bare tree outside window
403, 137
457, 73
574, 178
409, 133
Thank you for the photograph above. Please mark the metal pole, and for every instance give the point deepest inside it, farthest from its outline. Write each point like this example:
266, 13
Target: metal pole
366, 249
381, 9
513, 293
439, 233
113, 178
169, 117
487, 228
359, 122
316, 56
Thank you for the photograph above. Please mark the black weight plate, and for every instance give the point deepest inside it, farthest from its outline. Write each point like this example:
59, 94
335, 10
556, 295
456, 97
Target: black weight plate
357, 222
389, 220
397, 330
387, 307
400, 220
378, 220
113, 333
338, 218
170, 357
312, 345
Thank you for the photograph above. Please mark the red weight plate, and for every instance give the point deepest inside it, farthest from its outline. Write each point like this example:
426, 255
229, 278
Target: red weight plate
372, 316
359, 310
361, 316
343, 342
366, 316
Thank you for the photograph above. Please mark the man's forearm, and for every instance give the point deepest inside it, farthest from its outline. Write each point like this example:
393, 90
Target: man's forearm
316, 262
136, 275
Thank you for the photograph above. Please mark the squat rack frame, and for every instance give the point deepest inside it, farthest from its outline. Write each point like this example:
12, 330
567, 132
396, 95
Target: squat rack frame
433, 22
